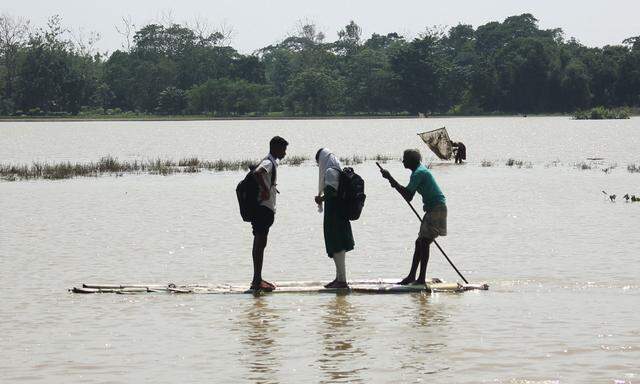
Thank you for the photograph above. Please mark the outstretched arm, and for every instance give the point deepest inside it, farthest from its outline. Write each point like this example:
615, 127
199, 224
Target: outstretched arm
408, 195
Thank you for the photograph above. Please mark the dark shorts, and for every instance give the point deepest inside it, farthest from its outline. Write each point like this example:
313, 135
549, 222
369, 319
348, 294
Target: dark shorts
262, 221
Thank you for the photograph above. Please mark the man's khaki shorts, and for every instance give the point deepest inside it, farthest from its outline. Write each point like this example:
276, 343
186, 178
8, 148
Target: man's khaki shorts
434, 223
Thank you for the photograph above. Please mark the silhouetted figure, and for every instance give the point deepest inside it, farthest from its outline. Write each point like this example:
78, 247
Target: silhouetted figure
338, 237
434, 222
459, 152
266, 177
612, 198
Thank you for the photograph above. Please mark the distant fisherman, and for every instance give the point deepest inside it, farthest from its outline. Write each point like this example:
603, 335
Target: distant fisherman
434, 222
459, 151
266, 176
338, 237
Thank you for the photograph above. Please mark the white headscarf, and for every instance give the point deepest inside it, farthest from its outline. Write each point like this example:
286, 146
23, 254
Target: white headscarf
329, 170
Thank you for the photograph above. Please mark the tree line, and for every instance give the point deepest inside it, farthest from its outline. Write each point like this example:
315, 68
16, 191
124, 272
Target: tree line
511, 66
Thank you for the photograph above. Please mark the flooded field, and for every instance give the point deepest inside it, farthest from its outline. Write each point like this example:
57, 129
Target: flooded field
561, 259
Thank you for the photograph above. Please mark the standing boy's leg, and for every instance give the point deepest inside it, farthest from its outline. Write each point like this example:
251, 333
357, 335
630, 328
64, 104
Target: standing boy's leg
261, 224
259, 244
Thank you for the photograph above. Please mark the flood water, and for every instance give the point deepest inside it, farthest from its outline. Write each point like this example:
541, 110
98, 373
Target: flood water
562, 261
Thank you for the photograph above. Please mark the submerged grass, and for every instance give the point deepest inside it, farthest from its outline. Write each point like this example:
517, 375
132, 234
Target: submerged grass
519, 164
358, 159
111, 165
583, 166
352, 160
294, 160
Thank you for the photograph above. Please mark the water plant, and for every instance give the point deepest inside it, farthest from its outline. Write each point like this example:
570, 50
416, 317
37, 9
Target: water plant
519, 163
162, 167
294, 160
583, 166
633, 168
189, 162
382, 158
352, 160
486, 163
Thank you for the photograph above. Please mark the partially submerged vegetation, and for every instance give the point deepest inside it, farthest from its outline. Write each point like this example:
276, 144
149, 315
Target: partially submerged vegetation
111, 165
602, 113
518, 163
357, 159
583, 165
294, 160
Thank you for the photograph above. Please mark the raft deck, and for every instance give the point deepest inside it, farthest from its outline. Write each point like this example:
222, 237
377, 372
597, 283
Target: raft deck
379, 286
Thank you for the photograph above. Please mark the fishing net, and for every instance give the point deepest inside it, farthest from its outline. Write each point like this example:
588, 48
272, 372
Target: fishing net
438, 141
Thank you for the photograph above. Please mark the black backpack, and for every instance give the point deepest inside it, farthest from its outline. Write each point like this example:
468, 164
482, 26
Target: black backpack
351, 193
247, 193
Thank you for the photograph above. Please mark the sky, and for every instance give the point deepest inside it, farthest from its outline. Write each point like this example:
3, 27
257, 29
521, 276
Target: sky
254, 24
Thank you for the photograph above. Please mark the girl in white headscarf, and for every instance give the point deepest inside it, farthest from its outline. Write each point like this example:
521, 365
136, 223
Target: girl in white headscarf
338, 237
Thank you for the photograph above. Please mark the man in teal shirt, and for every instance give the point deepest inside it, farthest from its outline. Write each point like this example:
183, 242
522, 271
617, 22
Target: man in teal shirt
434, 222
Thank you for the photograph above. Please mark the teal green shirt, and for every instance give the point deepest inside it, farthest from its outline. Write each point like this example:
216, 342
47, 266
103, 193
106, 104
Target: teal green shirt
422, 181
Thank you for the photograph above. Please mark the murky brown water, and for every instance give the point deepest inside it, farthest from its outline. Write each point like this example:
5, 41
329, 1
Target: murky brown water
561, 260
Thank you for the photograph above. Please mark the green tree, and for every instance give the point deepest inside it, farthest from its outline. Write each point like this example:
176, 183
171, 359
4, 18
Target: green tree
13, 38
227, 96
422, 70
53, 77
172, 101
314, 92
575, 87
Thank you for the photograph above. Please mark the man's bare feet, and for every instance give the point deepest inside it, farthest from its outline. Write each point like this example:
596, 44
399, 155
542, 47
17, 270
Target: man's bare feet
261, 286
269, 284
337, 285
406, 281
330, 285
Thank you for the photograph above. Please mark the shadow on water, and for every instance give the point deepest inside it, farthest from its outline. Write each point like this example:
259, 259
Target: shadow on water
339, 328
259, 324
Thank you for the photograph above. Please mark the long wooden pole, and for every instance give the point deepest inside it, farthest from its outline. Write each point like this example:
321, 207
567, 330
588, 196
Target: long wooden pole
434, 240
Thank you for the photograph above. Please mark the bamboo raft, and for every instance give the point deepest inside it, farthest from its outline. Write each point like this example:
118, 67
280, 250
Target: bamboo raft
379, 286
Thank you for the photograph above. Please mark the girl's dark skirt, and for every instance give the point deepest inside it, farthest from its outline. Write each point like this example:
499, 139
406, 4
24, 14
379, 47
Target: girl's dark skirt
337, 228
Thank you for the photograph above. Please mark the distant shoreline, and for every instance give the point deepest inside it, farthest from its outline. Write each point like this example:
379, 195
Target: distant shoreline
257, 118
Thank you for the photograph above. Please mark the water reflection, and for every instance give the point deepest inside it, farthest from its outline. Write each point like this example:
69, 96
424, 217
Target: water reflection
426, 313
259, 328
430, 335
340, 325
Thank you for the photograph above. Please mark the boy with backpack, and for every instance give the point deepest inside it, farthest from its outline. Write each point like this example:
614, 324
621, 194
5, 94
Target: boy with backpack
263, 214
